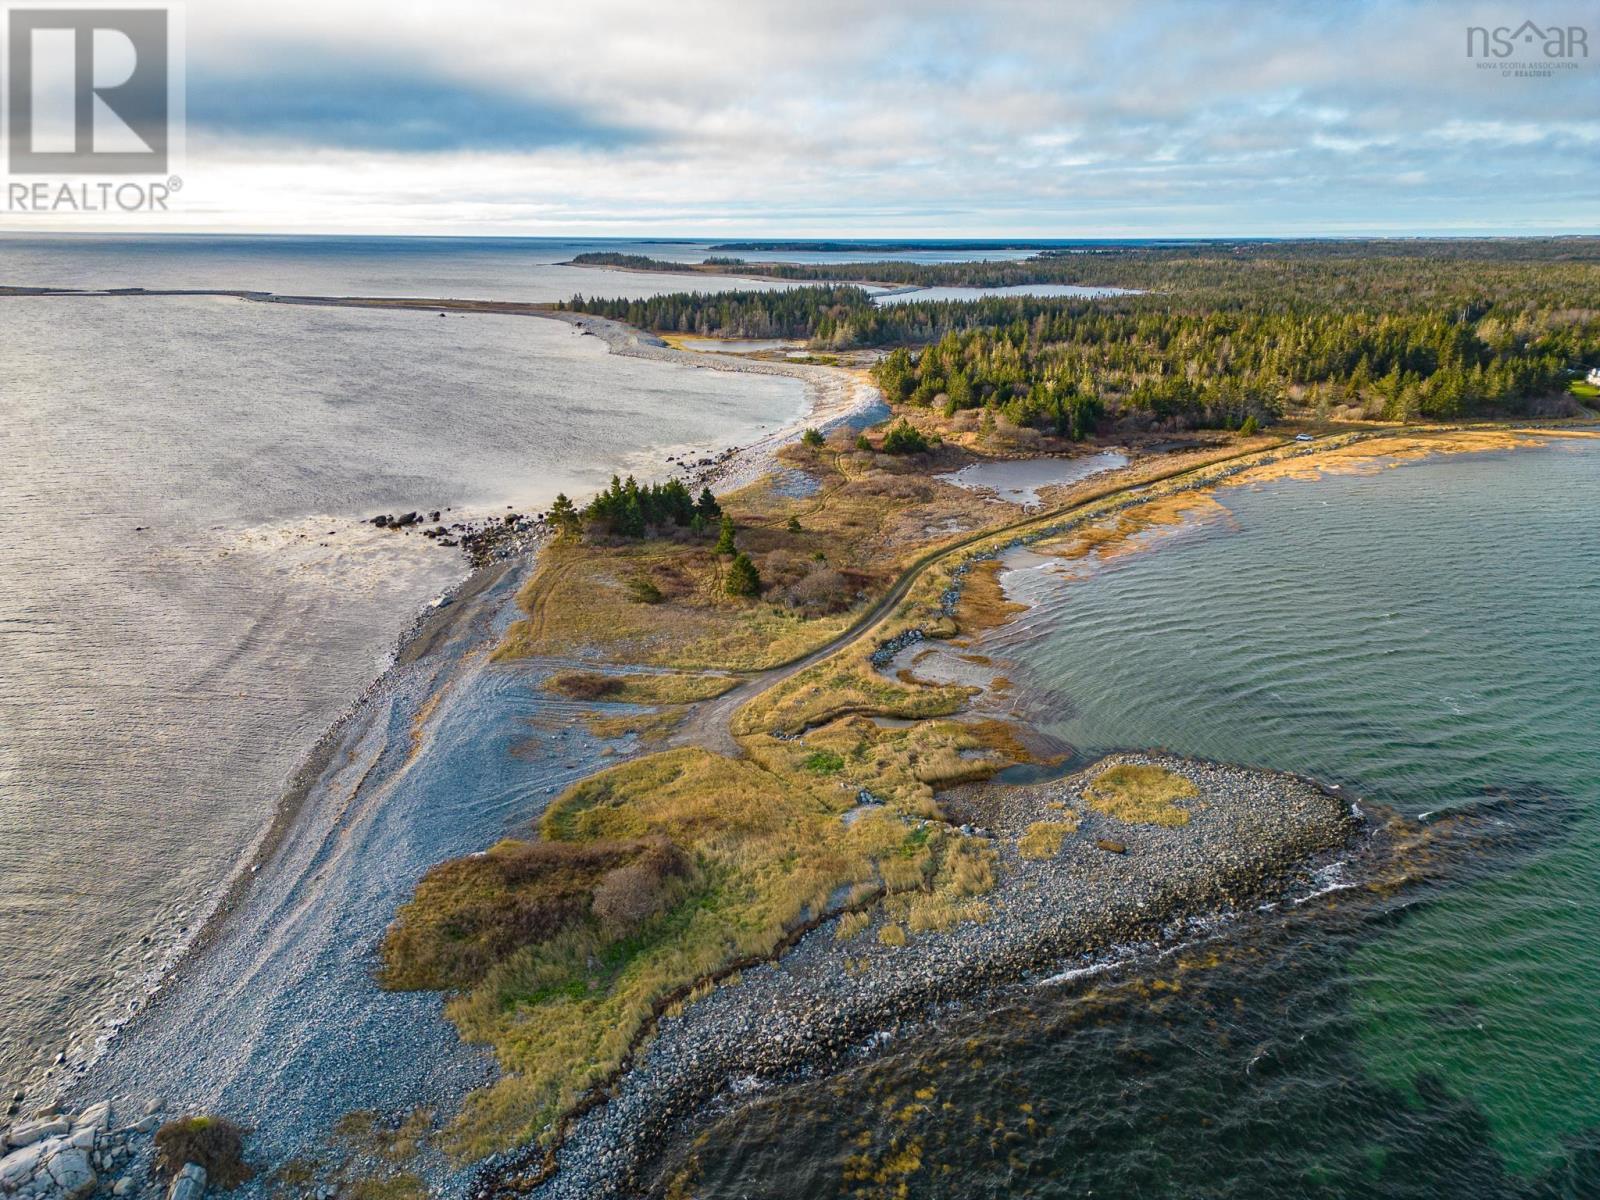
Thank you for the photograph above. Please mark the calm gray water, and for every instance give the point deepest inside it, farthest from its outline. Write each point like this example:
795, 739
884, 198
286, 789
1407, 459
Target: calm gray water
442, 268
455, 268
1426, 636
158, 687
1017, 481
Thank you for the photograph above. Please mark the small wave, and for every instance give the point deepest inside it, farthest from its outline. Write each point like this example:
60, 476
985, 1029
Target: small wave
1333, 877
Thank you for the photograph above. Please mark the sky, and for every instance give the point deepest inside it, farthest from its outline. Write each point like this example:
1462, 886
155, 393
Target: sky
874, 119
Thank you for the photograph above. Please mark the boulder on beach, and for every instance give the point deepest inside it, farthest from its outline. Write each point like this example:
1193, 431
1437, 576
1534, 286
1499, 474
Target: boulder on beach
188, 1184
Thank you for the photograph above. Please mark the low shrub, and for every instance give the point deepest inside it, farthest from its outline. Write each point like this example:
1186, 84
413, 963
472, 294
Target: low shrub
585, 685
904, 438
824, 762
628, 896
214, 1143
470, 913
643, 590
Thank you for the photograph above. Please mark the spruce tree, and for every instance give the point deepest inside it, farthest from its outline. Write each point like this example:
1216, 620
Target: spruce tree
564, 516
743, 578
707, 507
725, 538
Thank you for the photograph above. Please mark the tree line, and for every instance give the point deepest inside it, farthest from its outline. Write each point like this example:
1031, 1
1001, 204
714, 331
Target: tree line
1218, 334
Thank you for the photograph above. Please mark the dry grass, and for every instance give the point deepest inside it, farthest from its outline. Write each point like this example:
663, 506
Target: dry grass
651, 728
843, 684
366, 1134
579, 600
1141, 795
851, 924
842, 547
401, 1186
566, 958
1043, 839
983, 602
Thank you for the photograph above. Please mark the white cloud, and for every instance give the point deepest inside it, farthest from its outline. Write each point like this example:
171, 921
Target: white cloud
841, 117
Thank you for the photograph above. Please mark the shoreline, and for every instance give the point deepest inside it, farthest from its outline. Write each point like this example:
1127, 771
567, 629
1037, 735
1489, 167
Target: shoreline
425, 635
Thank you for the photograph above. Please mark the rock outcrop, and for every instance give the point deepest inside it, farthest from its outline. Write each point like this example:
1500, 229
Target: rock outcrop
55, 1157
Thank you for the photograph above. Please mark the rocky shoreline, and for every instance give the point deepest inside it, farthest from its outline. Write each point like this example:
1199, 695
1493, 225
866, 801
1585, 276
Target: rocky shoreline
73, 1156
1251, 837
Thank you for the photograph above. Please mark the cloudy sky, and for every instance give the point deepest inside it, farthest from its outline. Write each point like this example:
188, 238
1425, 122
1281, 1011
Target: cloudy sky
876, 118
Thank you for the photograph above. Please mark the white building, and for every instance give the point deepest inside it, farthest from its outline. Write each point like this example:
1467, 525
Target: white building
1594, 376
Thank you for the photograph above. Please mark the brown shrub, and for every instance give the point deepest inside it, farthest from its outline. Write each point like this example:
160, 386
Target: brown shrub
216, 1144
584, 685
470, 913
628, 896
820, 591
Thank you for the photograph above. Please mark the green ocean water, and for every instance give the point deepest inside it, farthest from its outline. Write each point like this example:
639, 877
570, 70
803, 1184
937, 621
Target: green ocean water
1428, 637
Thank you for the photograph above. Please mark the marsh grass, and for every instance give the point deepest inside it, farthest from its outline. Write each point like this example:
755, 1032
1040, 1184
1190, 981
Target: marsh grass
1141, 795
983, 603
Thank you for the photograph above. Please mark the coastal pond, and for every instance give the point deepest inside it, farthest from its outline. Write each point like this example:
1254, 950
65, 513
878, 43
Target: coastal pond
1018, 480
734, 345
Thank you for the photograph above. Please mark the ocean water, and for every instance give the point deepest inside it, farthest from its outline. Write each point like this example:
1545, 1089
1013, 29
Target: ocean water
440, 268
1427, 637
189, 595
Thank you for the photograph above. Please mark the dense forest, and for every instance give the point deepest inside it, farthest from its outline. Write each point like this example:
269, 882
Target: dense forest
1395, 329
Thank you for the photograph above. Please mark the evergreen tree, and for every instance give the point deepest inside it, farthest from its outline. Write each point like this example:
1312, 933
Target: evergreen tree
564, 516
904, 438
725, 537
707, 507
743, 578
